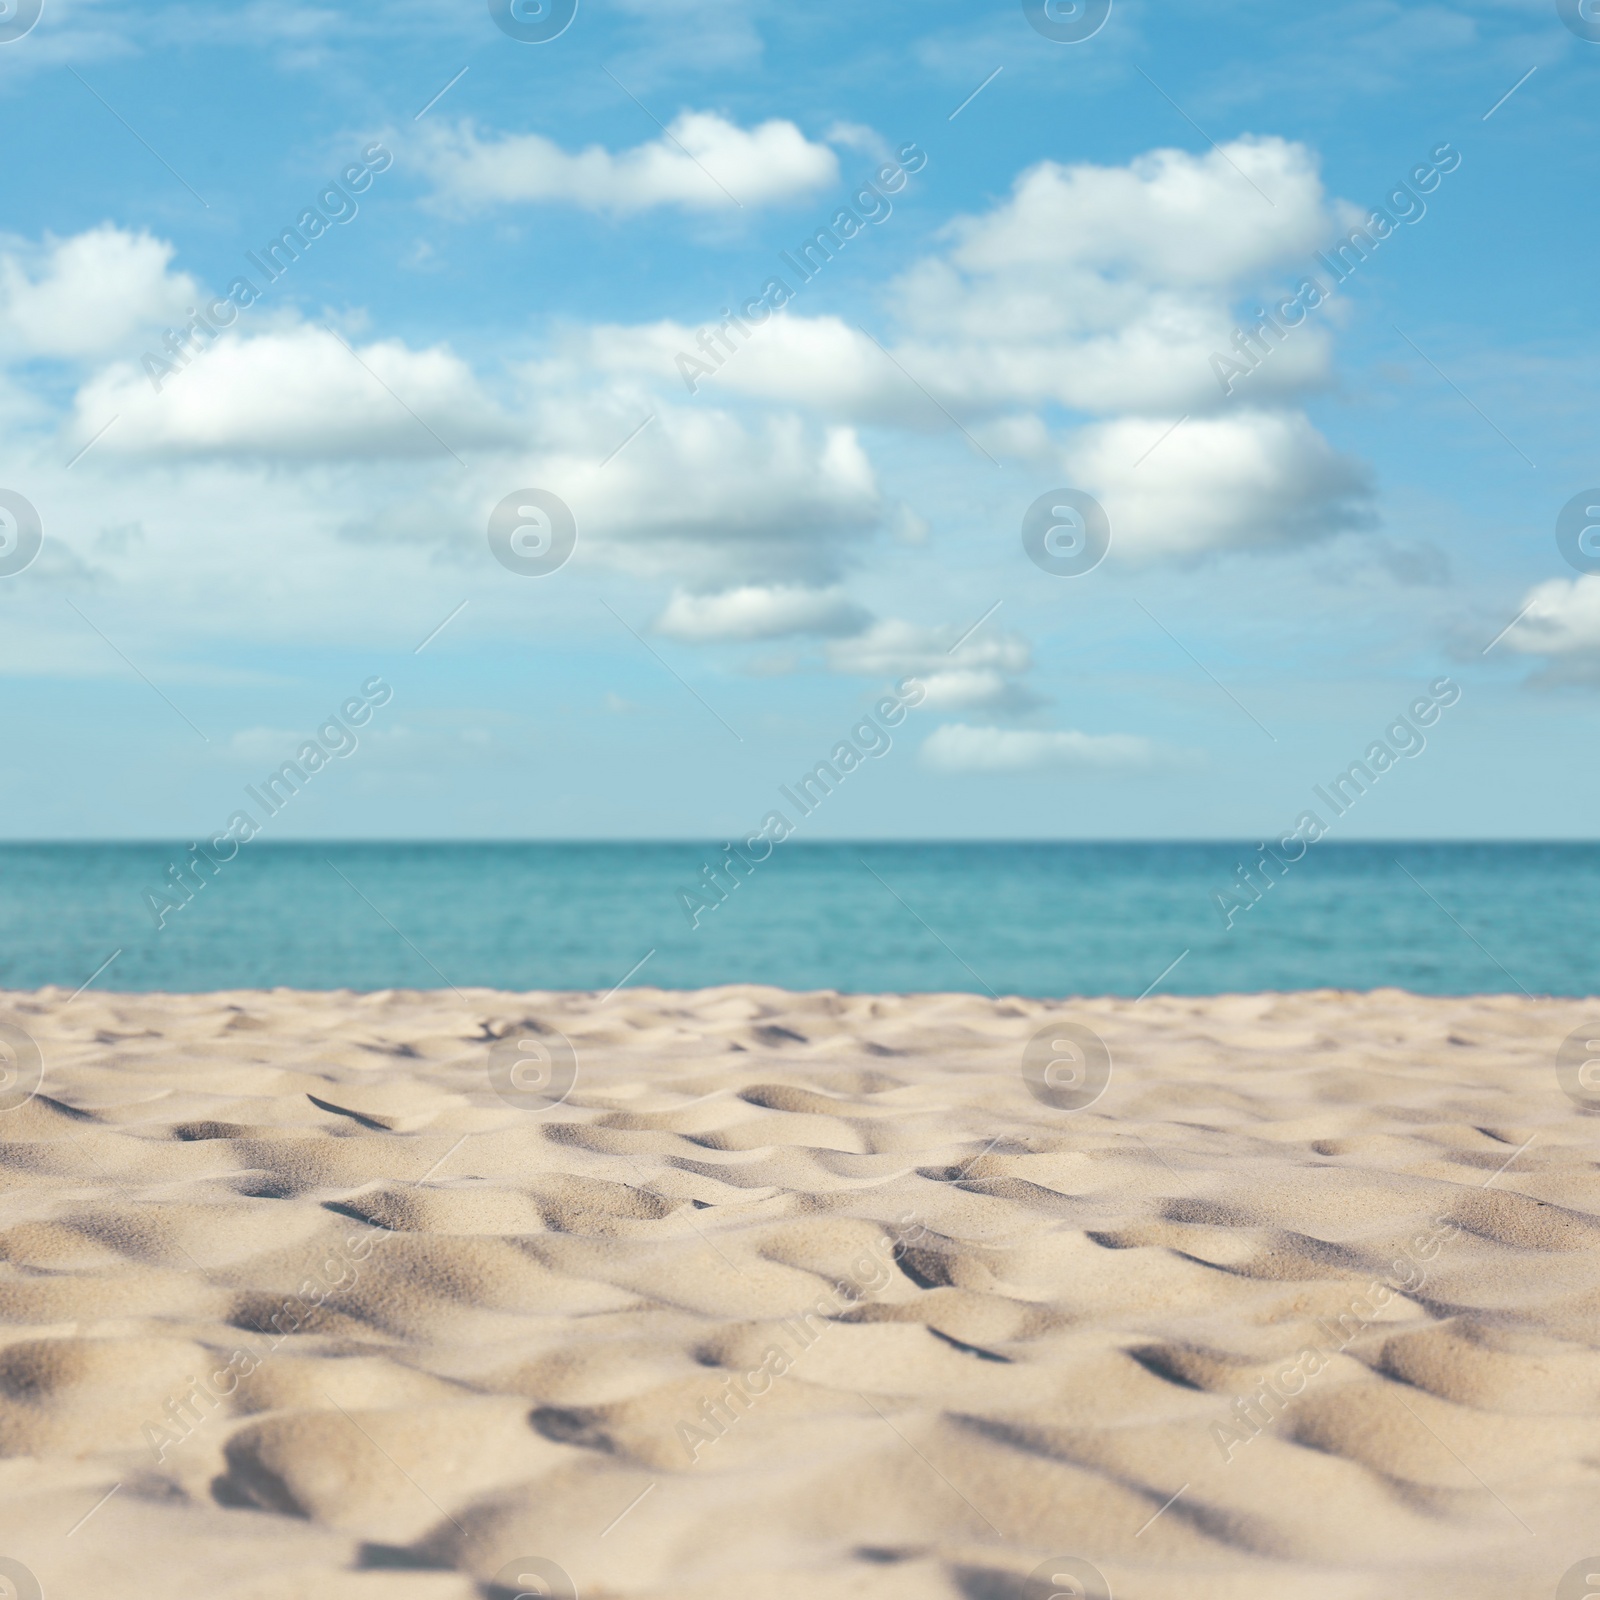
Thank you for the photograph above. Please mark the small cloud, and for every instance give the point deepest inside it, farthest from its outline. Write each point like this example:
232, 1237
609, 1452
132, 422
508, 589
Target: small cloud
756, 612
977, 689
957, 747
90, 294
1251, 480
858, 136
1560, 617
977, 672
421, 256
292, 393
701, 164
894, 648
1561, 621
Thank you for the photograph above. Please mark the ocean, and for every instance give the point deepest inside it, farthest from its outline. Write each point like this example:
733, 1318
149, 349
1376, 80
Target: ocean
1000, 918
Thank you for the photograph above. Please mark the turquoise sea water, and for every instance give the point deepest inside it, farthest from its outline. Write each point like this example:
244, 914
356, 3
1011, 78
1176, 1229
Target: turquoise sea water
1035, 919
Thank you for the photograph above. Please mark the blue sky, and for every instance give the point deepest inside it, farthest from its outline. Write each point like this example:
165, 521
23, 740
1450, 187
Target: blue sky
505, 298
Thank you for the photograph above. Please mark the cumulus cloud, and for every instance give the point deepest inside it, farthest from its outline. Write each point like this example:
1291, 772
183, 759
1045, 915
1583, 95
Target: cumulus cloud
91, 294
1561, 621
957, 747
753, 524
977, 689
1101, 290
1246, 481
816, 361
894, 648
978, 673
295, 393
752, 612
713, 503
1105, 290
703, 163
753, 521
1167, 218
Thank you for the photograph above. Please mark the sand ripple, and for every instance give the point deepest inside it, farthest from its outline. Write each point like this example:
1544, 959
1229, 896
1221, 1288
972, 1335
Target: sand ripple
797, 1295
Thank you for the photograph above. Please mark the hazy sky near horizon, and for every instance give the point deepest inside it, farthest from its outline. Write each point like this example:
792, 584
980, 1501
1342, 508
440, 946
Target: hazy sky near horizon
512, 266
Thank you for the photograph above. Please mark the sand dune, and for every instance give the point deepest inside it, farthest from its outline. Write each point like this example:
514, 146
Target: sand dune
797, 1295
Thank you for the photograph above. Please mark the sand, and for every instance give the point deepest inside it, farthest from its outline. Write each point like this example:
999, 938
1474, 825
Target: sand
797, 1295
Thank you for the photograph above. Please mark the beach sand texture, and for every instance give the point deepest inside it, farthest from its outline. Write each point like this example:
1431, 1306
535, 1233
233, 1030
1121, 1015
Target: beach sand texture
797, 1295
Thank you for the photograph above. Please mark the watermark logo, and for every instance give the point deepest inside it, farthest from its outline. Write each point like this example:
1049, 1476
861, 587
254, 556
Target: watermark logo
1583, 18
1581, 1581
1066, 1066
21, 1071
17, 17
532, 532
1067, 21
1578, 532
533, 1071
1067, 1578
1578, 1066
532, 1578
21, 533
16, 1581
1066, 533
533, 21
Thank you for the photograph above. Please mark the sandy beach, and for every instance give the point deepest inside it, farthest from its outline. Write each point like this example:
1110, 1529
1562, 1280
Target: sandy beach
319, 1295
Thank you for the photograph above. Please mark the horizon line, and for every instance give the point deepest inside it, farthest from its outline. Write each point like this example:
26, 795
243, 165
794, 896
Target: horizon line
842, 842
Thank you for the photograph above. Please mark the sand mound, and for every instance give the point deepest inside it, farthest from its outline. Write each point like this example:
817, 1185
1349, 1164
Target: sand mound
333, 1296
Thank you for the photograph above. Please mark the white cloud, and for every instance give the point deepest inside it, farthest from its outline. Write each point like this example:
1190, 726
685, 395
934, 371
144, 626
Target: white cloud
712, 503
1246, 481
91, 294
977, 689
1106, 290
976, 674
894, 648
957, 747
1088, 287
704, 163
816, 361
296, 393
1562, 619
699, 495
858, 136
761, 613
1167, 218
1155, 361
